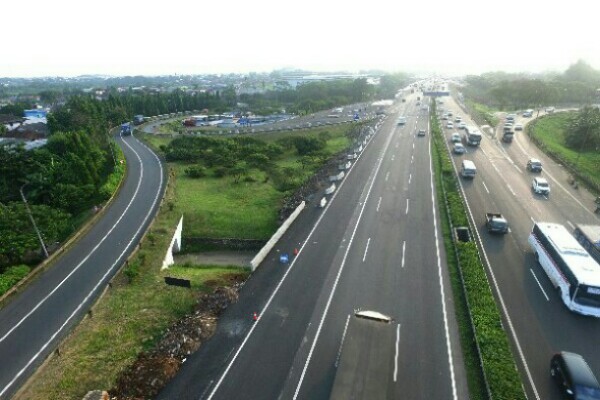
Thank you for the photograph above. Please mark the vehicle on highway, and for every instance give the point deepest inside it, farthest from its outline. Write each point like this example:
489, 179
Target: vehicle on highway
574, 376
421, 132
472, 135
401, 120
518, 127
445, 117
528, 113
459, 148
511, 117
550, 110
333, 116
461, 125
589, 237
367, 352
455, 138
126, 129
569, 267
450, 125
449, 113
508, 135
496, 223
138, 119
534, 165
468, 169
540, 186
458, 119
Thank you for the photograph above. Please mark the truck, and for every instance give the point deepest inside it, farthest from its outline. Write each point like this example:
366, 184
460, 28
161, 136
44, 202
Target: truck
496, 223
138, 119
366, 360
472, 136
508, 135
126, 129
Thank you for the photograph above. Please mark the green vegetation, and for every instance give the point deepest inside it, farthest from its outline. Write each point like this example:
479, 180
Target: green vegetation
482, 114
483, 337
571, 142
12, 276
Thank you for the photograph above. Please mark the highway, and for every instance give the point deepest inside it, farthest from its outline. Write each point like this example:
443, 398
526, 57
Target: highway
535, 318
36, 320
377, 245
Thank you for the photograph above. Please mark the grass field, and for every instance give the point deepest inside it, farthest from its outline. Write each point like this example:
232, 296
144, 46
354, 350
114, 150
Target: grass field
134, 313
549, 131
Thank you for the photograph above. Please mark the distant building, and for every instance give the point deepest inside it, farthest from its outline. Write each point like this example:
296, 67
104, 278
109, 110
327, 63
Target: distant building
35, 113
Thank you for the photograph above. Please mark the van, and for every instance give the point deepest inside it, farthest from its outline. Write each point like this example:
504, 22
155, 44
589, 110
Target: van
468, 169
574, 377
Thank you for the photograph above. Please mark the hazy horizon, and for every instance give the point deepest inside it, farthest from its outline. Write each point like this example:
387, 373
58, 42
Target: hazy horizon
58, 39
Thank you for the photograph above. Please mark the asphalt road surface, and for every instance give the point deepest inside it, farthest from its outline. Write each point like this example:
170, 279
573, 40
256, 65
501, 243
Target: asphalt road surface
377, 245
38, 318
535, 317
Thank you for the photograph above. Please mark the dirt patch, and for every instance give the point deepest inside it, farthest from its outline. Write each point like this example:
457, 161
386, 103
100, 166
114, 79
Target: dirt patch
154, 368
224, 258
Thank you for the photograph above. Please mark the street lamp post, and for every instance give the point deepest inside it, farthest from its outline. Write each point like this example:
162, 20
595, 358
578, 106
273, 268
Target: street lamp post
37, 231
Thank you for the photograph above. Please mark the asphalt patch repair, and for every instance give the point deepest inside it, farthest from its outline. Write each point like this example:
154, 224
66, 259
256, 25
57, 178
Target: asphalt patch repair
154, 368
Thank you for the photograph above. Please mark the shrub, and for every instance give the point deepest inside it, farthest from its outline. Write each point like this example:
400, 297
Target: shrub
12, 276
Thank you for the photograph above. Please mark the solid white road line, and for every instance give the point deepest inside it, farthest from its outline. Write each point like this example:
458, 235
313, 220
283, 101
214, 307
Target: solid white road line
539, 284
339, 354
397, 352
571, 224
337, 278
441, 280
366, 249
266, 307
403, 252
89, 295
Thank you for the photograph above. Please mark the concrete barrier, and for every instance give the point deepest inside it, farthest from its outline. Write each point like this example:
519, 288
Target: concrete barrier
330, 189
338, 177
174, 247
260, 256
323, 202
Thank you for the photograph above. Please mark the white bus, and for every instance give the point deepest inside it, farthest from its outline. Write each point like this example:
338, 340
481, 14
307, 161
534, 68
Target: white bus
472, 135
569, 267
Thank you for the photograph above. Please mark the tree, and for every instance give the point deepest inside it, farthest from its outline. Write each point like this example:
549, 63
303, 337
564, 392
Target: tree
584, 131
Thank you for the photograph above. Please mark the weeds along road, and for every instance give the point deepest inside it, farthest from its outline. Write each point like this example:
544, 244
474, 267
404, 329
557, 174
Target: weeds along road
38, 318
376, 246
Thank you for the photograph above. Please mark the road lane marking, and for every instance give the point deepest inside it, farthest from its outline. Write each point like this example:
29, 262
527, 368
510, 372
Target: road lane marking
378, 204
532, 220
393, 157
409, 178
511, 190
539, 284
407, 201
270, 300
403, 252
387, 175
485, 187
571, 224
339, 354
366, 249
412, 158
440, 278
337, 278
397, 352
89, 295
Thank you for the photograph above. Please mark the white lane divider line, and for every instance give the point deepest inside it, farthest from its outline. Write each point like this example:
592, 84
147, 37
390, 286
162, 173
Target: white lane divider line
378, 204
409, 178
339, 354
403, 252
485, 187
511, 190
407, 201
366, 249
571, 224
397, 352
387, 175
539, 284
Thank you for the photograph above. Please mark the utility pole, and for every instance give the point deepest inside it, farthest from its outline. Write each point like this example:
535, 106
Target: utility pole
37, 231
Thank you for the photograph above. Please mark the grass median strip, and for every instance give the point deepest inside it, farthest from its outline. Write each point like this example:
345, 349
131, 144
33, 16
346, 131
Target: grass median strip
491, 369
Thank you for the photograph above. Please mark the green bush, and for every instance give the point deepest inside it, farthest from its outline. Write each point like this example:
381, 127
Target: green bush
12, 276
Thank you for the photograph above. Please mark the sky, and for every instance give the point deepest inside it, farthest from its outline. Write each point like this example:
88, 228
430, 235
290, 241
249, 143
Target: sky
123, 37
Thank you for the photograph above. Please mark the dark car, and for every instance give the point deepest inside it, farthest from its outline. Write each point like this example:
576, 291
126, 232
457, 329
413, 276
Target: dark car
534, 165
421, 132
574, 377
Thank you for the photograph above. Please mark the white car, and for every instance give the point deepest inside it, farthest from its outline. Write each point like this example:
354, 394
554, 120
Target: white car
455, 138
540, 186
462, 125
450, 125
518, 127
